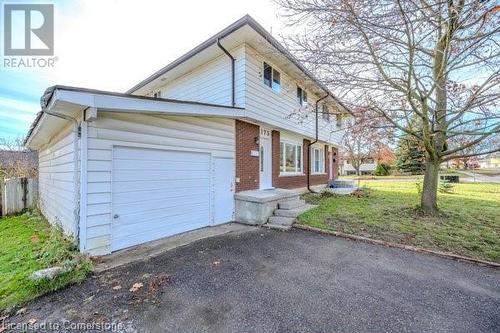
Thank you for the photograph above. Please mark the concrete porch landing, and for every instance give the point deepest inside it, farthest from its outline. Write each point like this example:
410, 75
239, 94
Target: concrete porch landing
255, 207
267, 195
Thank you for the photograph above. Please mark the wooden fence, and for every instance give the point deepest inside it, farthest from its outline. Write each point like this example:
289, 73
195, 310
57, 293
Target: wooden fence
18, 194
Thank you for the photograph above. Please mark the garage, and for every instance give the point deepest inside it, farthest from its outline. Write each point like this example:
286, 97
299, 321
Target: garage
157, 193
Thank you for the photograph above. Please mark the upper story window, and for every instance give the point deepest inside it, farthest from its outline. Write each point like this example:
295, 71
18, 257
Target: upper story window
290, 157
157, 94
326, 113
318, 160
338, 119
301, 96
272, 78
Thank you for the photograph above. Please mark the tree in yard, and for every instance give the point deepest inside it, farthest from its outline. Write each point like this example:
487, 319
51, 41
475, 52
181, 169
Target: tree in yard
364, 138
385, 155
15, 160
410, 155
434, 61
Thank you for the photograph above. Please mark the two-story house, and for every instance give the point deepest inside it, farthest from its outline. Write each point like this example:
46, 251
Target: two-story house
236, 115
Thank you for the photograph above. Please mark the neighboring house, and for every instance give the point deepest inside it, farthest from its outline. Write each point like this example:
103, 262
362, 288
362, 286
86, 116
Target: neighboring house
366, 168
168, 155
491, 161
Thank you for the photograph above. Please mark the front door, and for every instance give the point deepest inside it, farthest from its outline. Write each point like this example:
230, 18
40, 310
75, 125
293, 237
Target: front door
265, 161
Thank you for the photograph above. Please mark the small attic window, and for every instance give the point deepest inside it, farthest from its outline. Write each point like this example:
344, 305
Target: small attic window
301, 96
157, 94
338, 120
326, 113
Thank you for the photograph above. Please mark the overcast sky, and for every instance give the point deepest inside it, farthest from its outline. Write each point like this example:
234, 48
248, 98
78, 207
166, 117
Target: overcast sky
112, 45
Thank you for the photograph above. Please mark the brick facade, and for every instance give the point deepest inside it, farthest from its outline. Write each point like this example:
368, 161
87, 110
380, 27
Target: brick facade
247, 166
296, 181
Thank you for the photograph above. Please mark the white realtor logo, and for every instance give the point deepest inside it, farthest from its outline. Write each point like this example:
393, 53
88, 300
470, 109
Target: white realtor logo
28, 29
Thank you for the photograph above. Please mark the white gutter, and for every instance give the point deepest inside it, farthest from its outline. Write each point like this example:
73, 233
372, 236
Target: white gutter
83, 185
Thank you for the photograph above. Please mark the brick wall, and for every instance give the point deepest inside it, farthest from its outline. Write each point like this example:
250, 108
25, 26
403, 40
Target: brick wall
295, 181
247, 166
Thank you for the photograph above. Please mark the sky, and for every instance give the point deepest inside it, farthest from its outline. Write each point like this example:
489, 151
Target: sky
112, 45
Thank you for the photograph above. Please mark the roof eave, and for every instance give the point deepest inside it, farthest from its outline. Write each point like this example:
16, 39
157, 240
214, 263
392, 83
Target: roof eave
126, 103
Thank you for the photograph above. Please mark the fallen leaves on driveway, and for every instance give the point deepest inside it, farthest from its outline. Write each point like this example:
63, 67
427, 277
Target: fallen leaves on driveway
157, 281
136, 286
118, 287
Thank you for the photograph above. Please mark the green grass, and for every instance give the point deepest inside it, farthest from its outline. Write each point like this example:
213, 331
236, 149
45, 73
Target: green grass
29, 243
469, 225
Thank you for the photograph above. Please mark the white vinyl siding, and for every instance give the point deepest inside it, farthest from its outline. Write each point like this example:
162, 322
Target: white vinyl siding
211, 82
213, 136
57, 181
265, 105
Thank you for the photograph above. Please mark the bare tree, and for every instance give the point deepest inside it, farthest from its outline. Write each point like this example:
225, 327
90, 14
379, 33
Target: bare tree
16, 160
364, 137
432, 60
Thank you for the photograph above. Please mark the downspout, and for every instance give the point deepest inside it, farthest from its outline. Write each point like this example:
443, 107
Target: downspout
75, 166
233, 60
311, 143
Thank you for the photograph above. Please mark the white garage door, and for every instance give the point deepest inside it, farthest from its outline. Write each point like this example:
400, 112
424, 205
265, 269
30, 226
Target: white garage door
158, 193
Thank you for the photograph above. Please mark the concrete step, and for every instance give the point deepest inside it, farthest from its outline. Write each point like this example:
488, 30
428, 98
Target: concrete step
281, 220
278, 227
291, 204
293, 212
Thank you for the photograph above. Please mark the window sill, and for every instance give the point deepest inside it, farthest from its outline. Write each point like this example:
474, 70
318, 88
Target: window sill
291, 174
318, 173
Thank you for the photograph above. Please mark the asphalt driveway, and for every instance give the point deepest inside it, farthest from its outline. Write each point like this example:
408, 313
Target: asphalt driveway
269, 281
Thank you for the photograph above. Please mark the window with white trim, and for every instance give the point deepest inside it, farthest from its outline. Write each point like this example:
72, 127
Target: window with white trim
318, 160
301, 96
272, 78
290, 157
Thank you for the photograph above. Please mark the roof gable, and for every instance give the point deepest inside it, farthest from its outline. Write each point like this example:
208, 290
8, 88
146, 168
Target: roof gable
244, 30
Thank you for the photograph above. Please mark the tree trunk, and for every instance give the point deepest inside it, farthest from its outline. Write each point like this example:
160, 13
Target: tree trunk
428, 200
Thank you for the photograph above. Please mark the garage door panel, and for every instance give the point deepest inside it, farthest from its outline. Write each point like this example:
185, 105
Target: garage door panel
175, 202
162, 221
146, 175
138, 186
143, 237
158, 193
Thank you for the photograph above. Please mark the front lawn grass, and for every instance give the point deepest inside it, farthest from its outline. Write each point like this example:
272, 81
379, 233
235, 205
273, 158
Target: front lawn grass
29, 243
469, 225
